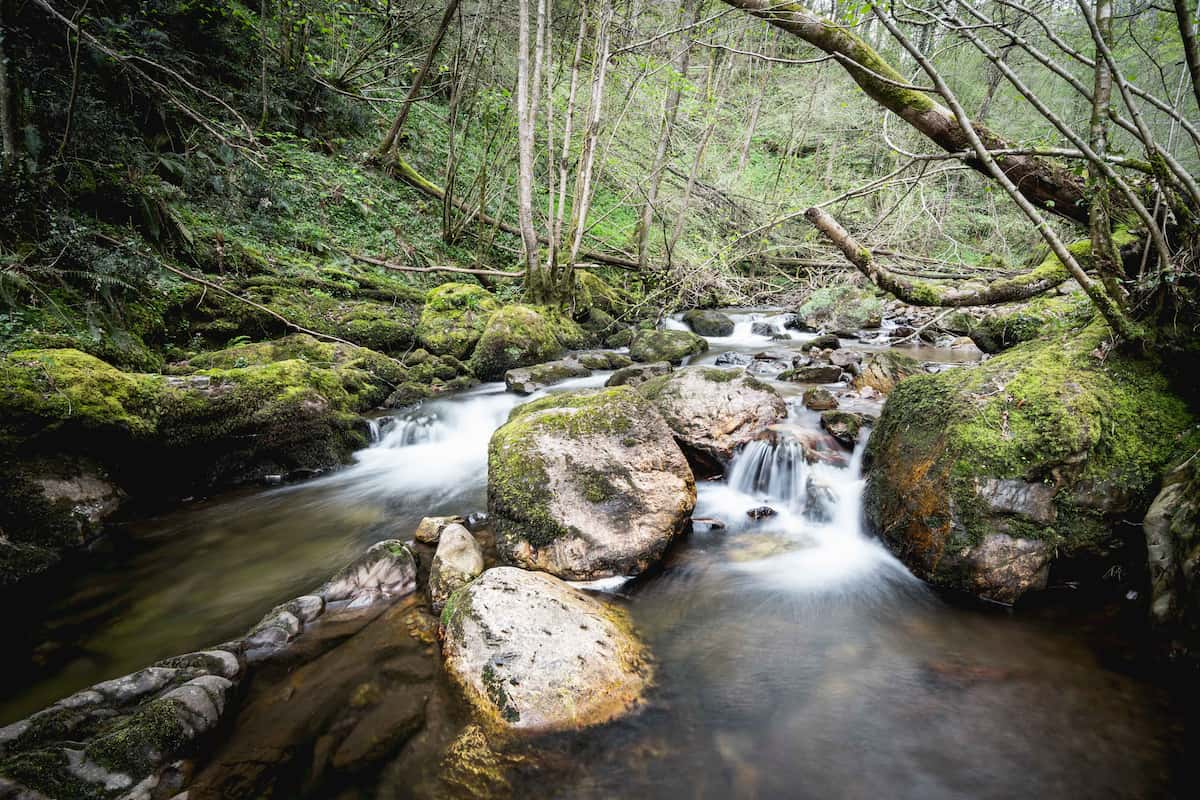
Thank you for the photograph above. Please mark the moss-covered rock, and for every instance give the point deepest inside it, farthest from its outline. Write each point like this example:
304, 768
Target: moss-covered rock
454, 317
1172, 528
1046, 315
527, 380
981, 477
587, 485
520, 336
708, 322
840, 309
649, 346
592, 292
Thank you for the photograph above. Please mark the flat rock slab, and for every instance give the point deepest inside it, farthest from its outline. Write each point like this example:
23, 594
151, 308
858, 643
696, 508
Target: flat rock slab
534, 654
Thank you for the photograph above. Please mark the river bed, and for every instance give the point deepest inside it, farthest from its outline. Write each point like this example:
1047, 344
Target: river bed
796, 657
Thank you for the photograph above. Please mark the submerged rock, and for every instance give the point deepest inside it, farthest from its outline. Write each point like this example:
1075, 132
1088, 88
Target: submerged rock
714, 411
980, 477
587, 485
457, 562
733, 358
826, 341
709, 323
638, 373
534, 654
650, 346
527, 380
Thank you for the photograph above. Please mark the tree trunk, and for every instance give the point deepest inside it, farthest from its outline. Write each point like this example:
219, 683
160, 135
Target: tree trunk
1105, 259
687, 9
711, 91
8, 101
393, 134
536, 280
1045, 185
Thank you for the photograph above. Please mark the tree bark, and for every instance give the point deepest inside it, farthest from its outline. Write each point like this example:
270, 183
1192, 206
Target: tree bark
1046, 185
1191, 52
9, 140
393, 134
535, 280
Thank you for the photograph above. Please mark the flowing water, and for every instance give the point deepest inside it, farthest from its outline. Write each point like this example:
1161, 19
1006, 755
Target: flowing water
795, 656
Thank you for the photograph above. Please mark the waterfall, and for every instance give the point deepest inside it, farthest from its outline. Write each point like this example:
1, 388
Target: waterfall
773, 470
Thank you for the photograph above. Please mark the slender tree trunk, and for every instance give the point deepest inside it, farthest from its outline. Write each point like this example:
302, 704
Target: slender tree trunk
1105, 259
536, 283
712, 90
752, 125
8, 95
1191, 51
393, 134
556, 224
688, 9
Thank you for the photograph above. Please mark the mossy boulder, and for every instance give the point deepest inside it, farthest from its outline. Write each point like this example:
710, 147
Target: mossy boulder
534, 654
649, 346
520, 336
981, 477
587, 485
527, 380
839, 309
454, 317
1003, 327
714, 411
707, 322
593, 293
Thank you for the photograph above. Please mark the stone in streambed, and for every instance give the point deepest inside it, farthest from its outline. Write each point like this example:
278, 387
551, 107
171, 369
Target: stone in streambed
430, 528
520, 336
457, 562
587, 485
714, 411
638, 373
816, 373
763, 329
709, 323
826, 341
601, 359
649, 346
1172, 529
527, 380
733, 358
843, 426
882, 371
533, 653
819, 399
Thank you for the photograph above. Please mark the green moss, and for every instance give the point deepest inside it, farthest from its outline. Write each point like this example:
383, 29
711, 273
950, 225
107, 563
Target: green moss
844, 307
1048, 411
49, 772
143, 741
517, 336
454, 318
649, 346
591, 292
493, 684
717, 375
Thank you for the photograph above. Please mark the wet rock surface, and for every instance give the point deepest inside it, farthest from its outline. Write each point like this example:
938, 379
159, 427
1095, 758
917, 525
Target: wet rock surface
534, 654
527, 380
714, 411
134, 736
587, 485
457, 562
709, 323
649, 346
638, 373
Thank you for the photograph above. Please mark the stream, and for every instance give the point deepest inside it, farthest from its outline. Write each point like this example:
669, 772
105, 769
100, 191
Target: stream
795, 656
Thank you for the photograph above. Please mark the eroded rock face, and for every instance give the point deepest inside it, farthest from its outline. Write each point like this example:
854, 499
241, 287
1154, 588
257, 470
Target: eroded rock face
532, 653
714, 411
124, 737
1172, 528
672, 346
709, 323
980, 477
457, 562
587, 485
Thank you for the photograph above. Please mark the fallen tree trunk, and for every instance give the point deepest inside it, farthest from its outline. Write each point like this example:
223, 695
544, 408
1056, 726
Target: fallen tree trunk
1046, 276
1046, 185
379, 262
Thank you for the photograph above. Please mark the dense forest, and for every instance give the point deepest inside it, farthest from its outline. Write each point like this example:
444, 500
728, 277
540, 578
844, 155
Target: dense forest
732, 398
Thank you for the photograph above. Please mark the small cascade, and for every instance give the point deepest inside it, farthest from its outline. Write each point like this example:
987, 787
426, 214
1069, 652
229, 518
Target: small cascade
675, 324
373, 431
776, 470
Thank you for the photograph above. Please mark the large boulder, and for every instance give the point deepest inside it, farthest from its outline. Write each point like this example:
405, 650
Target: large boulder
457, 562
980, 478
839, 309
587, 485
714, 411
534, 654
454, 317
520, 336
650, 346
708, 322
